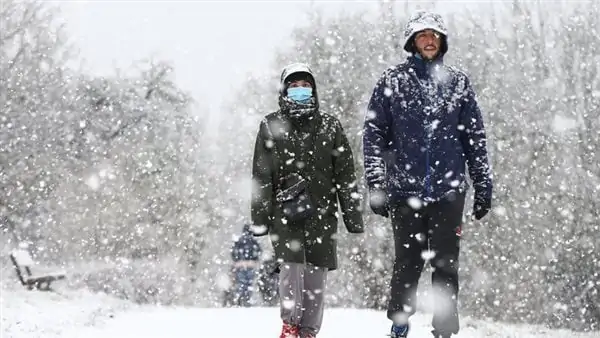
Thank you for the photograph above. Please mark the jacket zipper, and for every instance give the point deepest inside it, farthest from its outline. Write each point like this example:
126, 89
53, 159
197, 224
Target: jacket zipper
428, 131
428, 134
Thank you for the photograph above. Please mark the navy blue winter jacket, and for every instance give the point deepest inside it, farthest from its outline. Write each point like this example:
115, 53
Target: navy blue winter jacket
423, 126
246, 247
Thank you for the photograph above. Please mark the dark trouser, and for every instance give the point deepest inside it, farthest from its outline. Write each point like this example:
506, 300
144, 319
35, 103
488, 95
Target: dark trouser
244, 278
431, 232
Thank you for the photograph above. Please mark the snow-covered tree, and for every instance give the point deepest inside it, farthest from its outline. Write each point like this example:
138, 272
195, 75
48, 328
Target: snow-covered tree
96, 167
33, 54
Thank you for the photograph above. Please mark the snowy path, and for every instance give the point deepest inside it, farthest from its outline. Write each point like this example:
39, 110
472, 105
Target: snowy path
263, 323
79, 314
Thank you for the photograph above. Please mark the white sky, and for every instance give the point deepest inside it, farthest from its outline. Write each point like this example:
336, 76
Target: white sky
212, 44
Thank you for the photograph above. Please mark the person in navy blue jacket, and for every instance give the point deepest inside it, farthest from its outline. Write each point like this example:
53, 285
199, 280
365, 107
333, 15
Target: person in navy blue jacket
245, 253
422, 129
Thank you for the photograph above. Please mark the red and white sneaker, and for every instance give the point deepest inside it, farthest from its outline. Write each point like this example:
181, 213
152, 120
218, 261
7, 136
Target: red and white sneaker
289, 331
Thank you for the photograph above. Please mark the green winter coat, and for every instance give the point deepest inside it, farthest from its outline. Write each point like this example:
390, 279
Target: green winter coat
282, 143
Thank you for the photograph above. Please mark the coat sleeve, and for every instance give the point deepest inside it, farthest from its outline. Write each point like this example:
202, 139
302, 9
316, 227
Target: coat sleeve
376, 136
346, 183
474, 142
235, 251
263, 196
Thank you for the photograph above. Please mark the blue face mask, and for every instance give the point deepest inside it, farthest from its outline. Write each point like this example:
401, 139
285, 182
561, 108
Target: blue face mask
300, 94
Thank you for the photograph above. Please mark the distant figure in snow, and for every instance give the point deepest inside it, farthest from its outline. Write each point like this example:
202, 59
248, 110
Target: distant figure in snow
245, 253
422, 128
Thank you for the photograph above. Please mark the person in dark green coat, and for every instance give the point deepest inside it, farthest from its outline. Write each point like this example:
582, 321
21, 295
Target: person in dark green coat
299, 153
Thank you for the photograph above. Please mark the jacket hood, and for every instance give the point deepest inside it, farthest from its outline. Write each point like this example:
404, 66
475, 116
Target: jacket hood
293, 70
420, 21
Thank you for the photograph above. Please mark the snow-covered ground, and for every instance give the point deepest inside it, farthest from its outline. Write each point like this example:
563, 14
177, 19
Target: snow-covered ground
78, 314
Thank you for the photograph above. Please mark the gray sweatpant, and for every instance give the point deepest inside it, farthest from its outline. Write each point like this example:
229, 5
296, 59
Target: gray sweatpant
301, 290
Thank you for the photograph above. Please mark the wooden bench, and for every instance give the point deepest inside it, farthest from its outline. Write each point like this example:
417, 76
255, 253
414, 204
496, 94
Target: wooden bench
23, 263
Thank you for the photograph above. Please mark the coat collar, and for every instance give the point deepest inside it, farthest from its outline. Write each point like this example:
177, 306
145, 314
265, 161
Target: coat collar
424, 68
